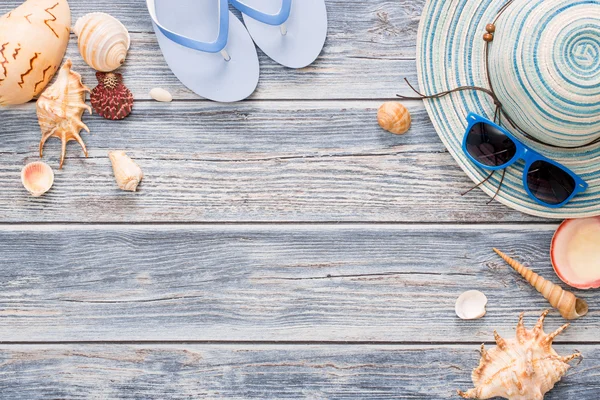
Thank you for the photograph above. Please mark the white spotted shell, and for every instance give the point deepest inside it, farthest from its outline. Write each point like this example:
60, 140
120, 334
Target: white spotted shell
103, 41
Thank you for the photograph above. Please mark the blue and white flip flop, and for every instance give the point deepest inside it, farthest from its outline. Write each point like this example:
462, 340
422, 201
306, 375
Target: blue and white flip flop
291, 32
208, 49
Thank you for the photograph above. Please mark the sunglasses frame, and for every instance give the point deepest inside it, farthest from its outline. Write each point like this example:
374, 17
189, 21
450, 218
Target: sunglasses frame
524, 153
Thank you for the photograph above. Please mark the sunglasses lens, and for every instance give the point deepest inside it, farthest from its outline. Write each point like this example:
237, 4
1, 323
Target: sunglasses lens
489, 145
549, 183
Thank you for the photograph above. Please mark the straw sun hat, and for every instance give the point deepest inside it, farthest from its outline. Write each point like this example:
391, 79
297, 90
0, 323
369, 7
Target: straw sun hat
544, 67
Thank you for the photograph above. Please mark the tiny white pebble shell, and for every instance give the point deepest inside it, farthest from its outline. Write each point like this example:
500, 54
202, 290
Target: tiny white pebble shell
162, 95
471, 305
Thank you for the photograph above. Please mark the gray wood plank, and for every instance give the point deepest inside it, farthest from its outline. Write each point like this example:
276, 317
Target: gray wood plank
374, 41
259, 372
275, 283
255, 161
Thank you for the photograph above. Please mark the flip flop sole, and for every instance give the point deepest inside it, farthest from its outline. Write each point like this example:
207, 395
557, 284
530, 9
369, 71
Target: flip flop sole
208, 74
306, 31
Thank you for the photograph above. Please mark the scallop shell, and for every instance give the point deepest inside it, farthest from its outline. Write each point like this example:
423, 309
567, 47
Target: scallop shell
60, 107
103, 41
471, 305
127, 173
111, 99
37, 177
394, 117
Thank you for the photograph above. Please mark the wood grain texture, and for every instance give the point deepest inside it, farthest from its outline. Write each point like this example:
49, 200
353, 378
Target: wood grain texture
374, 40
273, 283
255, 161
259, 372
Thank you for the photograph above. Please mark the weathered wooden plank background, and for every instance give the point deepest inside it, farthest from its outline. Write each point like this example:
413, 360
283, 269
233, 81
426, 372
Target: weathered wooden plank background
281, 247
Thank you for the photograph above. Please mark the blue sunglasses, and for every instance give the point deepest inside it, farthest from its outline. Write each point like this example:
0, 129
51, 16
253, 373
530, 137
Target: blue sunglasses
492, 147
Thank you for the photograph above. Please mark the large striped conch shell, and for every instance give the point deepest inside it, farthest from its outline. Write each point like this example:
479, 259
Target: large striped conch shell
33, 42
523, 368
103, 41
60, 108
569, 306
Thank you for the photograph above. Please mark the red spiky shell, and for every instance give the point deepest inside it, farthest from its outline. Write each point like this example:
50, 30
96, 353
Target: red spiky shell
111, 99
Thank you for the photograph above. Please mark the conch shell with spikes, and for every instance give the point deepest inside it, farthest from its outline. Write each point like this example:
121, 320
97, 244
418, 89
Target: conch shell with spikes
523, 368
569, 306
60, 108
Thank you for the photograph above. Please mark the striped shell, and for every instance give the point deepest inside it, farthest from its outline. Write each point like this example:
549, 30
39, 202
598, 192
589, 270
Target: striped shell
103, 41
394, 117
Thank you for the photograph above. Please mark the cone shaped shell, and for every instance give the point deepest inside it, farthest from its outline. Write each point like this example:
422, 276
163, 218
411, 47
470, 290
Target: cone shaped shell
564, 301
103, 41
394, 117
127, 173
33, 42
37, 177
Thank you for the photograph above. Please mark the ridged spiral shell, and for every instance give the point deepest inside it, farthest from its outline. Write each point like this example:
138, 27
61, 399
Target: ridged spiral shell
394, 117
60, 107
103, 41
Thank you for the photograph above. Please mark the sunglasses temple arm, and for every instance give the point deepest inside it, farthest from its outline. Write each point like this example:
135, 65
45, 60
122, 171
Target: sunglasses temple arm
479, 184
499, 187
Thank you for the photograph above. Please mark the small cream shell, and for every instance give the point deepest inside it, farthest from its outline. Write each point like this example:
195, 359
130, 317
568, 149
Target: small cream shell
394, 117
103, 41
127, 173
471, 305
37, 177
161, 95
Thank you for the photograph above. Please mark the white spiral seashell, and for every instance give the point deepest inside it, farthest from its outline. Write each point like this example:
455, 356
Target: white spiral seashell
103, 41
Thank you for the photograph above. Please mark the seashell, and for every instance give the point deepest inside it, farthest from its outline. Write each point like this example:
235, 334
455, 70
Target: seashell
111, 99
394, 117
523, 368
127, 173
103, 41
33, 42
162, 95
575, 252
565, 302
37, 177
470, 305
60, 107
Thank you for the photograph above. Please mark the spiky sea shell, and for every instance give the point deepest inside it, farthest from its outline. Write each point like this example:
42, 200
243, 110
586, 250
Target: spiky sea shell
111, 99
33, 42
523, 368
103, 41
37, 177
127, 173
569, 306
394, 117
60, 107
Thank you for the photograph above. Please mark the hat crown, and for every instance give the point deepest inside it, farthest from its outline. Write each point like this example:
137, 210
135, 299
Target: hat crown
544, 65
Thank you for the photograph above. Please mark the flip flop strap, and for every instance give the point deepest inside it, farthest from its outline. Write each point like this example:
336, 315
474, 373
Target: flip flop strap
270, 19
209, 47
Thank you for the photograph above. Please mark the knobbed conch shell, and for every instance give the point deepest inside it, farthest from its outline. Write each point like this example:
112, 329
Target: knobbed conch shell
565, 302
103, 41
127, 173
60, 108
523, 368
394, 117
37, 177
33, 42
111, 99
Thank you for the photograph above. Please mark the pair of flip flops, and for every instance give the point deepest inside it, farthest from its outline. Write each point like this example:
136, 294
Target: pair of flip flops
212, 52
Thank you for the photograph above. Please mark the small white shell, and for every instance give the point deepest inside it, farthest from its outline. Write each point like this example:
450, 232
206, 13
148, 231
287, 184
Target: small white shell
103, 41
127, 173
162, 95
37, 177
471, 305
